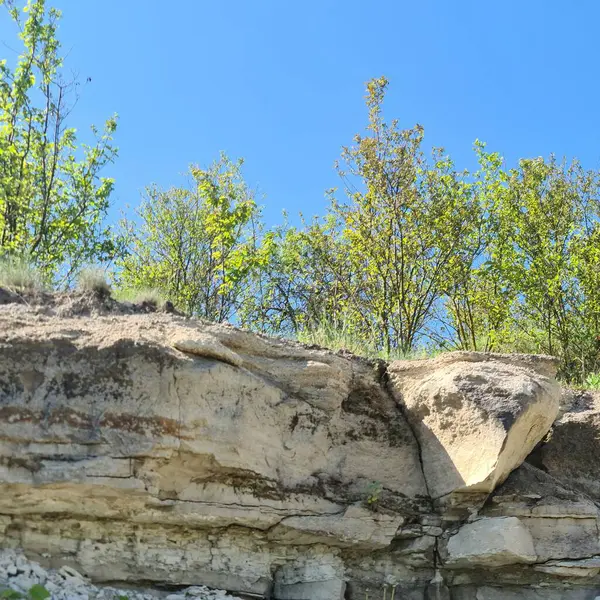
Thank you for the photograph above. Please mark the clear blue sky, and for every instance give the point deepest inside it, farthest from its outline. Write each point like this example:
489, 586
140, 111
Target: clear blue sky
281, 83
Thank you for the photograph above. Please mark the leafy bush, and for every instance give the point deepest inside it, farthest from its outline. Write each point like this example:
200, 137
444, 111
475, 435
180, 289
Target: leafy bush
196, 242
374, 492
54, 199
412, 251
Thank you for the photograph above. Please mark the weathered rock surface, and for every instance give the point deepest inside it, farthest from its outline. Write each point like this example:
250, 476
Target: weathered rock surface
491, 542
151, 450
572, 451
476, 417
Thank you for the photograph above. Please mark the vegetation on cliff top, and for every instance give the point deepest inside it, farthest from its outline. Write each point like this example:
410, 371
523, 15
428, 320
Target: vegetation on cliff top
412, 254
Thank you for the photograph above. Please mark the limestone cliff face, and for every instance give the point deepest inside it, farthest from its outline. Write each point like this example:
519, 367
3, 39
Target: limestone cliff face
145, 448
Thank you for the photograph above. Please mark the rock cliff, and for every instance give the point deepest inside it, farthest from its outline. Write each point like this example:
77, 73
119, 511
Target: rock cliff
152, 450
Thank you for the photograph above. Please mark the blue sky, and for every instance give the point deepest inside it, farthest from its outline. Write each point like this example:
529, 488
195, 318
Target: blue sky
281, 83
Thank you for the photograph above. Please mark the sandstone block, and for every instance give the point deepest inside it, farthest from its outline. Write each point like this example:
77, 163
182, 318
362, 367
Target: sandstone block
491, 542
476, 416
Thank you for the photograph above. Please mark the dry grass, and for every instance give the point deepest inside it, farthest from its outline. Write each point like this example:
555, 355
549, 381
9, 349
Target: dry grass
338, 335
93, 280
151, 296
18, 274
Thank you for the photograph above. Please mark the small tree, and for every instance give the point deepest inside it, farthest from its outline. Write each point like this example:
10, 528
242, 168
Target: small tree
378, 264
197, 244
479, 296
295, 287
52, 198
398, 230
552, 208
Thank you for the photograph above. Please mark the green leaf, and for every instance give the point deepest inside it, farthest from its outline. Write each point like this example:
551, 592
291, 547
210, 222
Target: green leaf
10, 594
38, 592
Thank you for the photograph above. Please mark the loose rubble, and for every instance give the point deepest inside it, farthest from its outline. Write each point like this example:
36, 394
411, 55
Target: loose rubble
19, 574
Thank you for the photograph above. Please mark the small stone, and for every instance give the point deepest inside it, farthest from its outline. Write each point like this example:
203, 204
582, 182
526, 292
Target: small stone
431, 530
197, 590
39, 571
24, 583
70, 572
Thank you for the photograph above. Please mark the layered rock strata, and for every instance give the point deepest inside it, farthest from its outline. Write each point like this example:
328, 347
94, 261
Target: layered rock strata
153, 450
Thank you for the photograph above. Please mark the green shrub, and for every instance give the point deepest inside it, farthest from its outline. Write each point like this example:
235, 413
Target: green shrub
374, 492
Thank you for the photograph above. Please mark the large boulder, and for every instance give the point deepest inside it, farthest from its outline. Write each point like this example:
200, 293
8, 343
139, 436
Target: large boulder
476, 416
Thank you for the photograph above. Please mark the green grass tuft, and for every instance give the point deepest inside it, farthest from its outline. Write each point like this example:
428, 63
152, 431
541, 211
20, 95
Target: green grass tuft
93, 279
338, 335
592, 382
151, 296
19, 274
